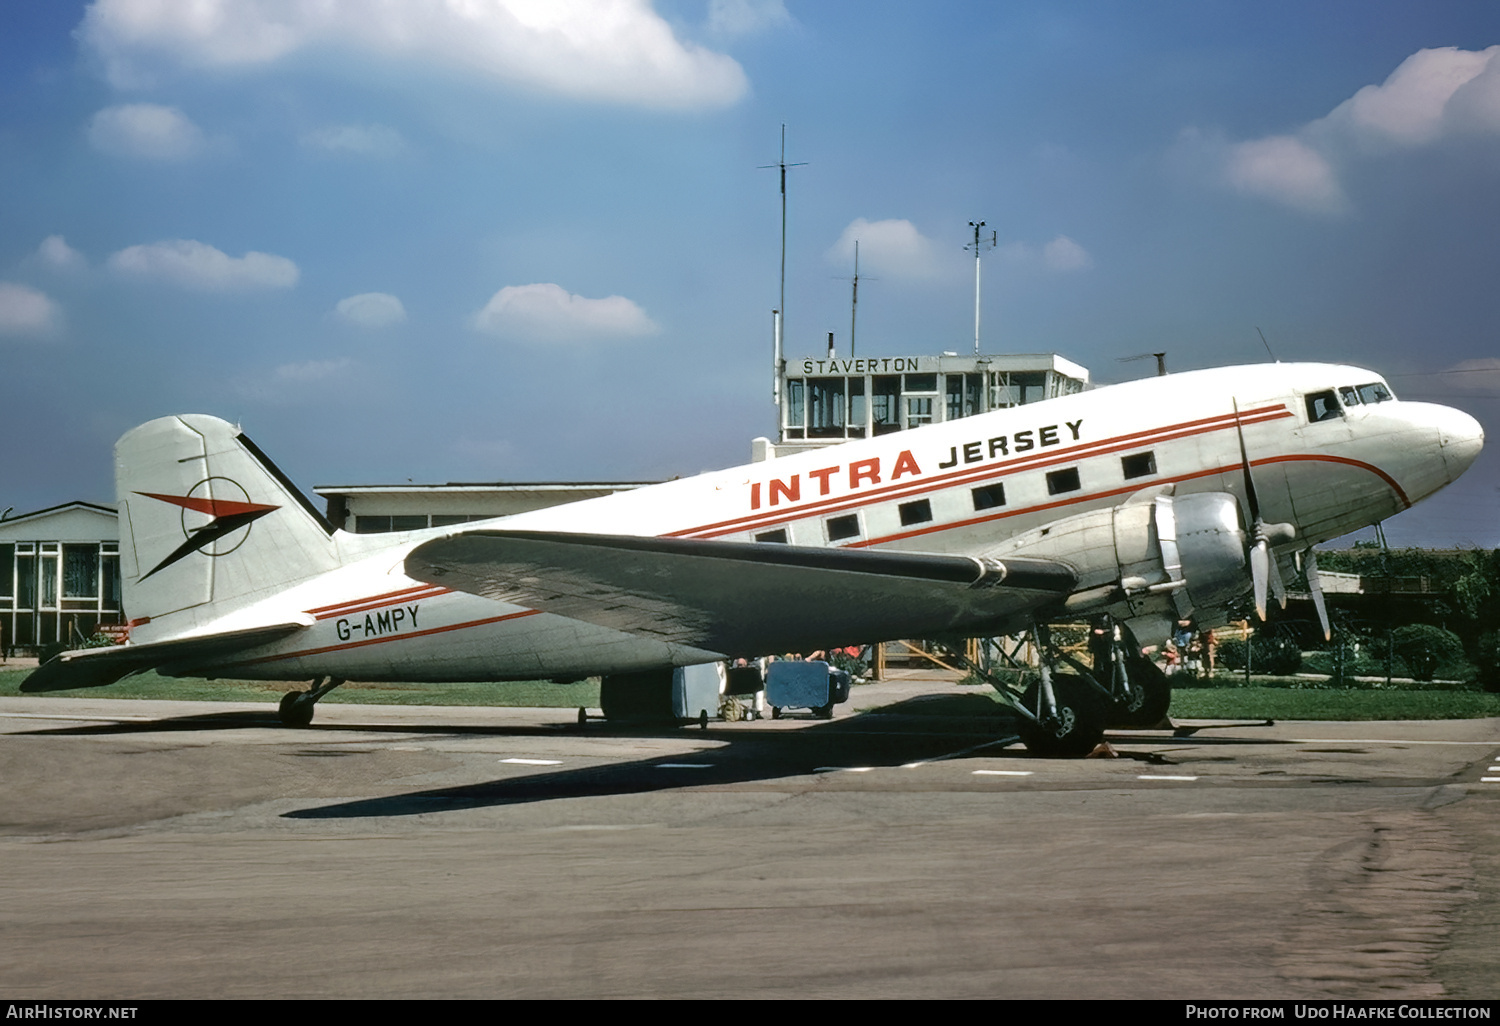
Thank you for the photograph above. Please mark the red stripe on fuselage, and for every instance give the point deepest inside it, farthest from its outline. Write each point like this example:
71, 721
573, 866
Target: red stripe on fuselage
345, 646
986, 471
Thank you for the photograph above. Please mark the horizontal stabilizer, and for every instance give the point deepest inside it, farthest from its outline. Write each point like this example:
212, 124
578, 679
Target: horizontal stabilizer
96, 667
741, 598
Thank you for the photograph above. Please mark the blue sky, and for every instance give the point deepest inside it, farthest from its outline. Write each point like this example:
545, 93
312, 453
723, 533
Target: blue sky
437, 241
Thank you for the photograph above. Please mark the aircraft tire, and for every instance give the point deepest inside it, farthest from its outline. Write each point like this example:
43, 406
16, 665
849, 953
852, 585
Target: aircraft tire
824, 712
1082, 711
1150, 696
295, 711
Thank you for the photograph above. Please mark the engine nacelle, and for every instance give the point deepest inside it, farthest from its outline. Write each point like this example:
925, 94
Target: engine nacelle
1150, 563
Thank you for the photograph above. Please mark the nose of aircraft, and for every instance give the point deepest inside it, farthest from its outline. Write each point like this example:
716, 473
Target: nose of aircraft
1460, 438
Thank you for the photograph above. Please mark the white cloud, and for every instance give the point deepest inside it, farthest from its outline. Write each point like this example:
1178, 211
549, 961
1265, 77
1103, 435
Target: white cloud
549, 312
1062, 255
617, 51
892, 247
734, 18
145, 131
371, 310
1285, 169
57, 254
25, 311
1411, 108
1432, 95
198, 265
361, 140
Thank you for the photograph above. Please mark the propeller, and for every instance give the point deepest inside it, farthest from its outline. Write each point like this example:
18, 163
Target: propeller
1315, 586
1263, 571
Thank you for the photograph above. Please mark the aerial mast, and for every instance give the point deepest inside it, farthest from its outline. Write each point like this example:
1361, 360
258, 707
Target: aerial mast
977, 246
779, 314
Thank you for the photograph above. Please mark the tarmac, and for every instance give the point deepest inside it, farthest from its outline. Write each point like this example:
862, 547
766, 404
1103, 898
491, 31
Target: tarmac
902, 850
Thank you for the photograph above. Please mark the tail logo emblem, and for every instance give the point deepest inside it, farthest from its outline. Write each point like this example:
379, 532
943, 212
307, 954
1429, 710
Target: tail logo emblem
210, 519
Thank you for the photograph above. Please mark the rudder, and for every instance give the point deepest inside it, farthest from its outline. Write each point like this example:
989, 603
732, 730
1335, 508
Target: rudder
208, 524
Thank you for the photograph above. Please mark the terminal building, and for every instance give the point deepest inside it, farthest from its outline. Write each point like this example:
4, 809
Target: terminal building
830, 400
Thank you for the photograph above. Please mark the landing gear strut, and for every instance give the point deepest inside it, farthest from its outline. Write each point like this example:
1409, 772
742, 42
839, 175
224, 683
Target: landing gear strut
296, 708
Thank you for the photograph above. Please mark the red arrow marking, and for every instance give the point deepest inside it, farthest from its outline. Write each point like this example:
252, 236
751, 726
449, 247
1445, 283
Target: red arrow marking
212, 507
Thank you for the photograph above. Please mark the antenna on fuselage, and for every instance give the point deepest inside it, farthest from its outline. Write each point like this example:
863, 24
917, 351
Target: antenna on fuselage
1263, 342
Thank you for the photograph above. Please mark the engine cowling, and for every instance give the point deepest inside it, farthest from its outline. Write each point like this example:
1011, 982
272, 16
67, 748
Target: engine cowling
1150, 563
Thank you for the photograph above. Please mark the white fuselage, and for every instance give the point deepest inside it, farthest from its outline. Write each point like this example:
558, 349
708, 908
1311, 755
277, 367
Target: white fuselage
961, 487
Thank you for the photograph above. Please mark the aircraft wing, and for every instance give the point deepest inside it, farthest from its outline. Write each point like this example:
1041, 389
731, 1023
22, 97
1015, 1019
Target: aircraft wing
96, 667
740, 598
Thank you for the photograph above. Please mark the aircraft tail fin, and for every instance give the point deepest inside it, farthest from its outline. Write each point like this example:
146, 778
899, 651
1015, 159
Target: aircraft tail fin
208, 524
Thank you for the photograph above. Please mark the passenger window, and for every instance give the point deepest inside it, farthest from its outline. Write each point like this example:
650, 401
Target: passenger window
1375, 392
918, 512
1060, 481
776, 537
1142, 464
1322, 406
1348, 395
840, 528
989, 496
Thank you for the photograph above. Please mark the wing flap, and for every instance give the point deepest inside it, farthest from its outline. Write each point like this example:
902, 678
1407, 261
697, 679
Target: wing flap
97, 667
741, 598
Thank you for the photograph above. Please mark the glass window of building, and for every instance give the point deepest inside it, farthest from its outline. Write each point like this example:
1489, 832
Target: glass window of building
825, 408
886, 402
794, 408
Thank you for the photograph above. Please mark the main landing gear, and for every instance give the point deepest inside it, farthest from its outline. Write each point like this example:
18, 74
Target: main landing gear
296, 708
1065, 713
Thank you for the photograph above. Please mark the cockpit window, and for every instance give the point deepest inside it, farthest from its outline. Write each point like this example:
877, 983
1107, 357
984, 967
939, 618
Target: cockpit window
1323, 406
1375, 392
1348, 395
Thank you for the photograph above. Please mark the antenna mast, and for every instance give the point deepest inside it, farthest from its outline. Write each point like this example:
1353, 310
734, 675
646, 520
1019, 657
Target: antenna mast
977, 247
779, 314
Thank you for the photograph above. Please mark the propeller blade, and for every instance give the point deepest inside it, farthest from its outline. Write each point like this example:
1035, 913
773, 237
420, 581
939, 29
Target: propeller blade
1315, 586
1251, 499
1260, 561
1277, 587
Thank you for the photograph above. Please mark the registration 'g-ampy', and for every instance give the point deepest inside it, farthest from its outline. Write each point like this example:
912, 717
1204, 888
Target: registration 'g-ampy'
1133, 505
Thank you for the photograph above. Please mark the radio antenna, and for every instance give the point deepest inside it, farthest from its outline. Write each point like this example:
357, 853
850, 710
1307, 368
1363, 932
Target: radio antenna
977, 245
780, 315
1263, 342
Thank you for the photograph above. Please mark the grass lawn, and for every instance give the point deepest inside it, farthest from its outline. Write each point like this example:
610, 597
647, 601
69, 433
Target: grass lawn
1280, 703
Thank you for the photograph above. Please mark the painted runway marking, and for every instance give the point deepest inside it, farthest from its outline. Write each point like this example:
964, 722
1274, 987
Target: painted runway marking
533, 762
1002, 773
684, 765
1489, 780
1377, 741
1161, 776
843, 769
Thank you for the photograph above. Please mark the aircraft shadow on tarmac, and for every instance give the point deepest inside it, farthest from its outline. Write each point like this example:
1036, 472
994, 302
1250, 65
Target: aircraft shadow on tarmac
924, 728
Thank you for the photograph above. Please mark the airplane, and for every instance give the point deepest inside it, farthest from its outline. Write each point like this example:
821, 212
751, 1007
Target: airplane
1130, 506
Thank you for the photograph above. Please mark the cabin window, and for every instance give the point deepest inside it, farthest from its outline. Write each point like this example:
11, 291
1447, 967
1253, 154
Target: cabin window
776, 537
1142, 464
1375, 392
1060, 481
1322, 406
989, 496
840, 528
918, 512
